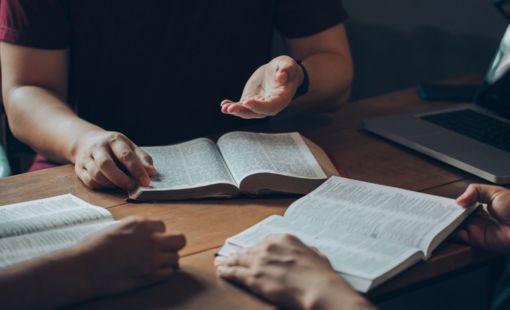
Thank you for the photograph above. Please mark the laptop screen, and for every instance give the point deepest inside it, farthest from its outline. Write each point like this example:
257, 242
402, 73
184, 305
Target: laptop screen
494, 93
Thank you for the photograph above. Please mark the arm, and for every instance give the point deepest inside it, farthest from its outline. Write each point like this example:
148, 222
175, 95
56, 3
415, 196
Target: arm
327, 59
35, 85
285, 271
129, 255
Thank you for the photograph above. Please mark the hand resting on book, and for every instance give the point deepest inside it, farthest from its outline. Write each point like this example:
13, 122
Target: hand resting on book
106, 159
284, 270
131, 254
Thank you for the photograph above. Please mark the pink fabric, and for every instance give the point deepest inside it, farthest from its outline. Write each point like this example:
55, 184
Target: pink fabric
41, 163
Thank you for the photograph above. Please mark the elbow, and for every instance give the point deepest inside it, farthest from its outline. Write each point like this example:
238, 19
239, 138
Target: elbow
14, 111
344, 88
340, 100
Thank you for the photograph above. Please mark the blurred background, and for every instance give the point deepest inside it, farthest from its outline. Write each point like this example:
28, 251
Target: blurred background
400, 43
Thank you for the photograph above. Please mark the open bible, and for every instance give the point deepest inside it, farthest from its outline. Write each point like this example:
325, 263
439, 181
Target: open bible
240, 162
36, 228
369, 232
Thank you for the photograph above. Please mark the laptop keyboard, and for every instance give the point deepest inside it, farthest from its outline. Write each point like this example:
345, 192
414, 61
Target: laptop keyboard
476, 126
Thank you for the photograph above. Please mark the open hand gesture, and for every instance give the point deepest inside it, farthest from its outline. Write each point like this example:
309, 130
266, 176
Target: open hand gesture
268, 91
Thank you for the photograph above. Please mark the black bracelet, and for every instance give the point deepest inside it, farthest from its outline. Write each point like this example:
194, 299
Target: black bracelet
303, 88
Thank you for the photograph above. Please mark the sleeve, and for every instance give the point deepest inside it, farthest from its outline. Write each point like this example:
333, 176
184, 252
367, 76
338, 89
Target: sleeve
301, 18
35, 23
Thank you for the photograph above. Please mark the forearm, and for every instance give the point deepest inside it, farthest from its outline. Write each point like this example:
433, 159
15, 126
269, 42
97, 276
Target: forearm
44, 121
330, 76
49, 282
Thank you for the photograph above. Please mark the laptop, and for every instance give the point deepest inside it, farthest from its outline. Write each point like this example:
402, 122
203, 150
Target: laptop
472, 137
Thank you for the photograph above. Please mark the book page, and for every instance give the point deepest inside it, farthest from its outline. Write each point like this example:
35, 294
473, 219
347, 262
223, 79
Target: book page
348, 253
18, 249
190, 164
248, 153
384, 213
39, 215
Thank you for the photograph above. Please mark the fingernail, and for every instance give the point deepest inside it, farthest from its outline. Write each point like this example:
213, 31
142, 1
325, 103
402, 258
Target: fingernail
221, 269
146, 181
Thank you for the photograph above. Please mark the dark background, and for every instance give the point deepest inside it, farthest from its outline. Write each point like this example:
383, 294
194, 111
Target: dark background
399, 43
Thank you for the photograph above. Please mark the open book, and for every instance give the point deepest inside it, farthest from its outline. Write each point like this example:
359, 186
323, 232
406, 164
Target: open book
36, 228
369, 232
240, 162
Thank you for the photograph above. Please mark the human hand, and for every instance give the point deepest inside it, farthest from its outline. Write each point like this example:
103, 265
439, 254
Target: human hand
268, 91
107, 159
131, 254
490, 228
284, 270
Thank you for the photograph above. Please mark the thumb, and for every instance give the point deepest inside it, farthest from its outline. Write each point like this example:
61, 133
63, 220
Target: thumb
285, 71
477, 193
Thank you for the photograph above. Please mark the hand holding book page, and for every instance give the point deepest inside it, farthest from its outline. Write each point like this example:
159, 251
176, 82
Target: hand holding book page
369, 232
240, 162
35, 228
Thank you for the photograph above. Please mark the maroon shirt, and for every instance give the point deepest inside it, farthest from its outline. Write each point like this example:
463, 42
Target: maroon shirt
156, 70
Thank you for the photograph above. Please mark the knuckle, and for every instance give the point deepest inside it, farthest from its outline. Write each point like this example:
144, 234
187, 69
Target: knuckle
147, 158
126, 155
269, 247
287, 237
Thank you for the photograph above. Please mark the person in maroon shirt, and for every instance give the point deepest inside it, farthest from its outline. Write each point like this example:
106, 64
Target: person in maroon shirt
80, 77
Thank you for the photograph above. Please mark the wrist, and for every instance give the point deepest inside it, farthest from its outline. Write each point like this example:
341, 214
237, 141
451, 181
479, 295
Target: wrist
303, 80
80, 139
334, 293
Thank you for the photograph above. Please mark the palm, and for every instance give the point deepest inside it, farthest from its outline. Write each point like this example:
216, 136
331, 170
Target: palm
264, 86
269, 90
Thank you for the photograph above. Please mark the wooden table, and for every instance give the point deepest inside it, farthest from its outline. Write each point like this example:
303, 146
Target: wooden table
208, 223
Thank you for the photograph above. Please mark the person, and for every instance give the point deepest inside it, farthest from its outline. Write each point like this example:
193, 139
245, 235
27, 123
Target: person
283, 270
133, 253
88, 82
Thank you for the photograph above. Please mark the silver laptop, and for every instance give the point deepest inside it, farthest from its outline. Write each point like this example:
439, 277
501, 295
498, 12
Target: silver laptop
473, 137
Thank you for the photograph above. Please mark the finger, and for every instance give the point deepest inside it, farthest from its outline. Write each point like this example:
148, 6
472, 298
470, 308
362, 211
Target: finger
224, 108
97, 175
284, 70
226, 101
235, 274
241, 258
171, 242
243, 112
477, 193
168, 259
318, 252
146, 225
87, 179
110, 170
146, 161
128, 158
